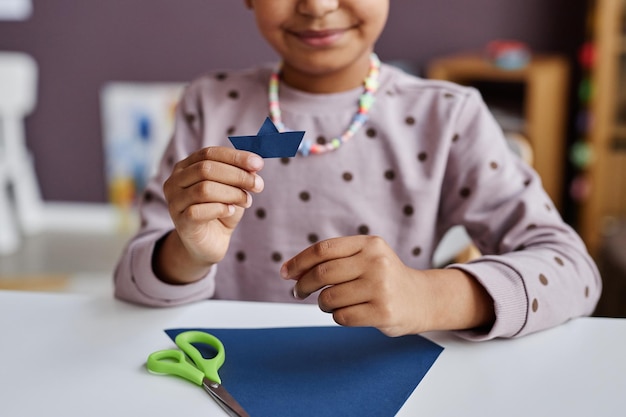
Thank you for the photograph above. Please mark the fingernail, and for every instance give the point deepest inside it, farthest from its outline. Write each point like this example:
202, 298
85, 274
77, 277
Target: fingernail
294, 293
258, 183
256, 163
284, 272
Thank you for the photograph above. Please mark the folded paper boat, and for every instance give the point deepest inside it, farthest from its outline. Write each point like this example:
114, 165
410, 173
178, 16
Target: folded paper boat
269, 142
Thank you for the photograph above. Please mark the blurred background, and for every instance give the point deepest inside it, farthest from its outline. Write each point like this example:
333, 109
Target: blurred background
89, 88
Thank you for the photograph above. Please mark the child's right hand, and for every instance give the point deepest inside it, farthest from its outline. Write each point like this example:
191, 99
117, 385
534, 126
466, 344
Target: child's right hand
206, 194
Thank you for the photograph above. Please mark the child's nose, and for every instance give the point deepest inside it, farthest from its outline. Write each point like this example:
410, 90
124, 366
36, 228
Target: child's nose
317, 8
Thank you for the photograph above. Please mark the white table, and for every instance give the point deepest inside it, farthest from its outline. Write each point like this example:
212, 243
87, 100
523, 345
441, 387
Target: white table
72, 355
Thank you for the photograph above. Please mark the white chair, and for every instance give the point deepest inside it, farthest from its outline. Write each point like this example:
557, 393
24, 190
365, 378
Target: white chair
20, 198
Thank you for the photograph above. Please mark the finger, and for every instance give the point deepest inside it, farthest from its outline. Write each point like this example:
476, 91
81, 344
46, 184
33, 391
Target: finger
218, 172
245, 160
356, 315
321, 252
342, 295
202, 213
336, 271
207, 192
369, 315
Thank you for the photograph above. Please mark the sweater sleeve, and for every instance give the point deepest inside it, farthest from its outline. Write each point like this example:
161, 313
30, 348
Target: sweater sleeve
134, 278
535, 266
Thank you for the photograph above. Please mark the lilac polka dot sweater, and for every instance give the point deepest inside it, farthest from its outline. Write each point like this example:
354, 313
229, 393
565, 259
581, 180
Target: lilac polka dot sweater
430, 157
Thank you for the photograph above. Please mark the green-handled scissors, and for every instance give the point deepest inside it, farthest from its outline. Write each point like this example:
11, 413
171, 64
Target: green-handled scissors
204, 373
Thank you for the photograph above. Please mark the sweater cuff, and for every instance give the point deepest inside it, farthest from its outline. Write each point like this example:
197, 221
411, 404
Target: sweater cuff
506, 288
160, 293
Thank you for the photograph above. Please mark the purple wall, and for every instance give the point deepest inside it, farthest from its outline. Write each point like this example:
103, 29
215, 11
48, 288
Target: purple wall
81, 44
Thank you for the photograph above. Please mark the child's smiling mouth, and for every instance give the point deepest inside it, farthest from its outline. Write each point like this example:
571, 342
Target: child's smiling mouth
319, 38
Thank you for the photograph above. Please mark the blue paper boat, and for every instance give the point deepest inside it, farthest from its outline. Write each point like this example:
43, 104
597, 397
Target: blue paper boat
269, 142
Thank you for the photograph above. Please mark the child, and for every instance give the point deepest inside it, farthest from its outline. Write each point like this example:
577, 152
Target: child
352, 222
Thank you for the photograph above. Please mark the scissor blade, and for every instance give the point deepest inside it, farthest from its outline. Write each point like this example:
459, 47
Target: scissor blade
224, 399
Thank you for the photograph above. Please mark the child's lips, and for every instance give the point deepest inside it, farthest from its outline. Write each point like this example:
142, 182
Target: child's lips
320, 37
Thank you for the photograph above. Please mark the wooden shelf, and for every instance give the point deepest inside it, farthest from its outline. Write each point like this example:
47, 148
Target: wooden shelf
544, 102
619, 133
607, 172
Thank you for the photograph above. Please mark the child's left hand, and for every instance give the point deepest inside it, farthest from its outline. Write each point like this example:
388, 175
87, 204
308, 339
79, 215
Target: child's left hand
363, 283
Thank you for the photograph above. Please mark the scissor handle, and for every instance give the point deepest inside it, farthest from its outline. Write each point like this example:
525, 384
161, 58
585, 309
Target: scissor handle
173, 362
209, 367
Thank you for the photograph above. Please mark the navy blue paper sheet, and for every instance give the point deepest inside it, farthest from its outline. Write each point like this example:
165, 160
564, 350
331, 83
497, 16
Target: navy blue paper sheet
321, 371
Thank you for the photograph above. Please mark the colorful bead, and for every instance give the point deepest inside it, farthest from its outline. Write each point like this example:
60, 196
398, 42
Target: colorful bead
366, 101
371, 84
360, 117
305, 147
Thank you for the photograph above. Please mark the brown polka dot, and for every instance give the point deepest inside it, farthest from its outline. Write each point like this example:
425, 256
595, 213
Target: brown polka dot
526, 183
144, 223
234, 94
417, 251
148, 196
321, 140
422, 156
408, 210
285, 161
230, 131
260, 213
587, 292
313, 238
364, 230
240, 256
559, 261
190, 118
305, 196
465, 192
548, 207
531, 226
347, 176
390, 174
455, 138
277, 257
170, 160
493, 165
543, 279
519, 248
448, 95
371, 132
410, 120
535, 305
390, 93
221, 76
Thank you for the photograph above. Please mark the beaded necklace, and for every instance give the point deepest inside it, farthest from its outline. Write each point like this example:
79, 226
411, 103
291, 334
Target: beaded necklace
370, 85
